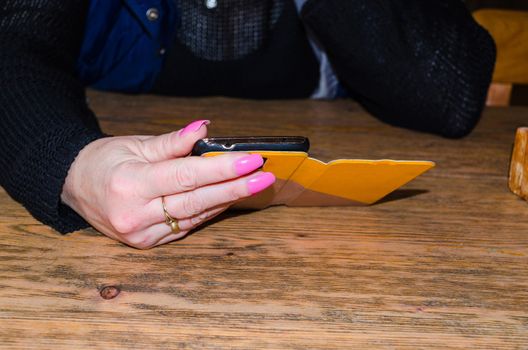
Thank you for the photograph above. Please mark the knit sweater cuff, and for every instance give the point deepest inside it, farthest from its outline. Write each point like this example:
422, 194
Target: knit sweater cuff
42, 172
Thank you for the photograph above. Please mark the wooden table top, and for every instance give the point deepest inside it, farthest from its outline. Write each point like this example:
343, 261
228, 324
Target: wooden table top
442, 263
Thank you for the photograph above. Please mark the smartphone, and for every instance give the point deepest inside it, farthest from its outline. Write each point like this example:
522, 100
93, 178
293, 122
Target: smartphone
251, 143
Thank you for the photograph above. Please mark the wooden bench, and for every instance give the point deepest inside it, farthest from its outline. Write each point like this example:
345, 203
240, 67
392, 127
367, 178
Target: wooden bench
510, 30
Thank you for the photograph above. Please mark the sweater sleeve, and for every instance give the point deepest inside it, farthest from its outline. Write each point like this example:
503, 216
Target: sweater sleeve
425, 65
44, 118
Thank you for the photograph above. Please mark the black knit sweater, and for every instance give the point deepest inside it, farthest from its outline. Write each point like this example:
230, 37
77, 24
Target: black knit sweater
420, 64
44, 119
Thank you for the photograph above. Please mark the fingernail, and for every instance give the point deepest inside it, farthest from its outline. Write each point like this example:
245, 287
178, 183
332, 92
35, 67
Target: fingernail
194, 127
260, 182
248, 164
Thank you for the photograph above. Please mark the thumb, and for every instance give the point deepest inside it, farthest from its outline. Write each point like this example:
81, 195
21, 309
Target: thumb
175, 144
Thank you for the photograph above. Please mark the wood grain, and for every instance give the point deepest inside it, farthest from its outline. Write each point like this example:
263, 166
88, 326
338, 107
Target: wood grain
442, 263
518, 180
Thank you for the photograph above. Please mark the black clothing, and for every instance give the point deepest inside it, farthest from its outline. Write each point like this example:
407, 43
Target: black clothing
44, 119
277, 62
420, 64
424, 65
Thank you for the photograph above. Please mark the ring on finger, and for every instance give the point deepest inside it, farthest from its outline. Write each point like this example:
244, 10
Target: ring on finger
169, 220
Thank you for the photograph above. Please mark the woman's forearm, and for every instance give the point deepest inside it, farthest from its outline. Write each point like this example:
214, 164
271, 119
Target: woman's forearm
424, 65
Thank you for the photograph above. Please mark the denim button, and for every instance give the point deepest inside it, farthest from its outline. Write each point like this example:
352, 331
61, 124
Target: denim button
153, 14
211, 4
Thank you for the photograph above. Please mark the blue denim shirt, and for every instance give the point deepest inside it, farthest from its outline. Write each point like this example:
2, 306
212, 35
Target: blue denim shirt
125, 42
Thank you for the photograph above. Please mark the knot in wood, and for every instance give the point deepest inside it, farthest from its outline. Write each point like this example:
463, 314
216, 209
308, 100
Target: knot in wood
109, 292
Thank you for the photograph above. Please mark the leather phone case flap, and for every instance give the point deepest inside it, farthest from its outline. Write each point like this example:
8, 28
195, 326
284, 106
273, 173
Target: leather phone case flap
305, 181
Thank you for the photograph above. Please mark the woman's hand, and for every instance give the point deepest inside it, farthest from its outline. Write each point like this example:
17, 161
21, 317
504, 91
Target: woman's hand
117, 185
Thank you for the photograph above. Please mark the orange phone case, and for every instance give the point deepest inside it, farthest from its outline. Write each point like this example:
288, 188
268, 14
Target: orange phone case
305, 181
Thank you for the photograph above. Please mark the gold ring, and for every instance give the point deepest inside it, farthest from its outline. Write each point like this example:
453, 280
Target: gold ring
169, 220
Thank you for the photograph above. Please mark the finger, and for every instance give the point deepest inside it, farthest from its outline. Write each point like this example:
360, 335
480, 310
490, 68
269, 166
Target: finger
192, 203
152, 235
167, 239
175, 144
186, 174
175, 236
191, 224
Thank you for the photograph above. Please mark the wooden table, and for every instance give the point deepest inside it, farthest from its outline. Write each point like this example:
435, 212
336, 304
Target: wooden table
441, 264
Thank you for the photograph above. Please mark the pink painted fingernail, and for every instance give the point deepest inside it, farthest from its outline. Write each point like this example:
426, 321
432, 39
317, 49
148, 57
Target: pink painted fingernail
194, 127
260, 182
248, 164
